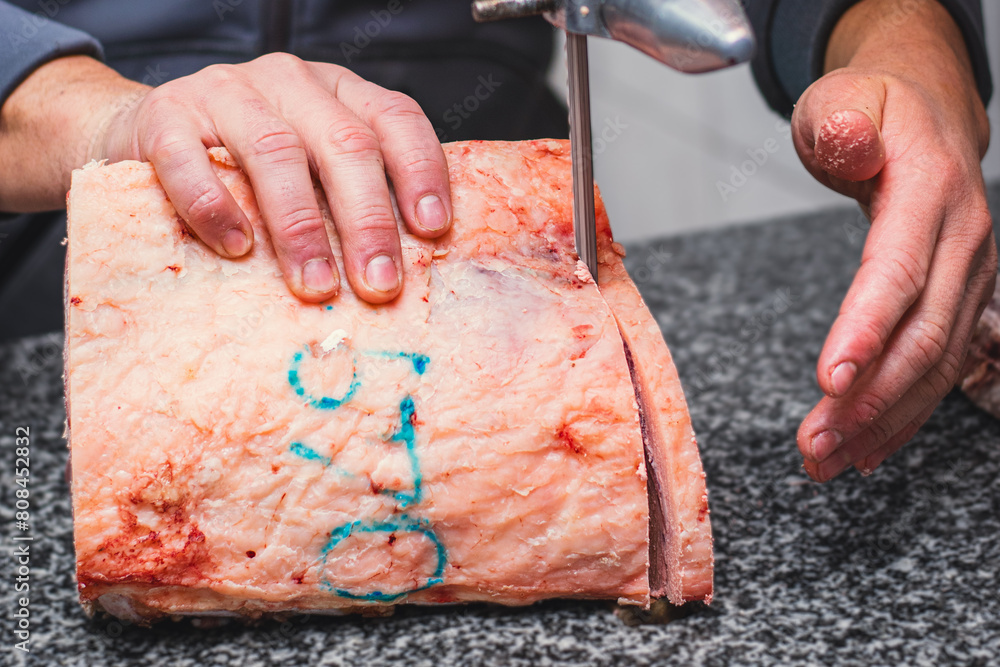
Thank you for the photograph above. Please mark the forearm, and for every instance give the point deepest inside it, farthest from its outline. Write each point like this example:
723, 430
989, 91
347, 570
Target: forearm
49, 124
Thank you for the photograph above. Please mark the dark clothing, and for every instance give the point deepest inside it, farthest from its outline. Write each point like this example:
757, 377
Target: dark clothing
792, 44
474, 81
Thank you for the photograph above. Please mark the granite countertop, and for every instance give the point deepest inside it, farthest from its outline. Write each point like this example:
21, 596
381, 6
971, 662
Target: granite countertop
900, 567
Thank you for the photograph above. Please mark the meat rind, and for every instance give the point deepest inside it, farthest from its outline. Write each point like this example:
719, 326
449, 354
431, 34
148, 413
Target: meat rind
491, 449
682, 562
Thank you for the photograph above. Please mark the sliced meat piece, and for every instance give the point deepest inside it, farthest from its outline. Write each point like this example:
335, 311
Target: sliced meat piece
235, 450
681, 558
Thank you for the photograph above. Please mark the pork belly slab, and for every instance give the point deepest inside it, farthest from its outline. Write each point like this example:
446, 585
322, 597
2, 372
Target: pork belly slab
481, 438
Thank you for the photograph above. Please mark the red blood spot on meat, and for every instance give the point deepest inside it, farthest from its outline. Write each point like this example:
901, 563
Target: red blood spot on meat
166, 549
375, 486
275, 468
702, 512
298, 578
174, 268
251, 553
392, 539
75, 301
566, 439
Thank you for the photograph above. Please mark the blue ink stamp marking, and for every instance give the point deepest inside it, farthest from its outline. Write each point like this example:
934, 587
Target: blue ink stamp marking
308, 453
406, 435
323, 402
419, 361
403, 525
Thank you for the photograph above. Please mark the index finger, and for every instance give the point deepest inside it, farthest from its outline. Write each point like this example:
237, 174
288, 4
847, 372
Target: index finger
413, 155
275, 160
894, 267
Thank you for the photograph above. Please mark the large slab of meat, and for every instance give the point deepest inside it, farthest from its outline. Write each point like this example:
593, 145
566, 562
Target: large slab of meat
481, 438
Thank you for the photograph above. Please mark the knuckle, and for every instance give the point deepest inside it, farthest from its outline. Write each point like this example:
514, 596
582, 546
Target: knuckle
219, 74
417, 161
353, 139
392, 103
373, 224
301, 223
275, 141
905, 273
160, 104
165, 147
869, 407
881, 430
208, 199
930, 338
285, 62
943, 376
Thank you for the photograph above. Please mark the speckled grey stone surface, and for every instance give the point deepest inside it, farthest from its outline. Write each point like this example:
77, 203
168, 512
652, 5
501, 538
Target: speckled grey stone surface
897, 568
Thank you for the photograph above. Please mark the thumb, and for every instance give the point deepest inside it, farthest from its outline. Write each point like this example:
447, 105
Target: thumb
837, 128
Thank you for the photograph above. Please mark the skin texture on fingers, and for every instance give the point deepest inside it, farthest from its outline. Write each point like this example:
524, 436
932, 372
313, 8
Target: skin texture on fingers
289, 123
836, 128
348, 158
414, 158
865, 434
274, 157
894, 265
899, 126
202, 201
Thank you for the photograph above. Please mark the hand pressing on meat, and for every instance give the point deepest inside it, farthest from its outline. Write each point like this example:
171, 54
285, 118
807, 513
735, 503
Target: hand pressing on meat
897, 123
285, 120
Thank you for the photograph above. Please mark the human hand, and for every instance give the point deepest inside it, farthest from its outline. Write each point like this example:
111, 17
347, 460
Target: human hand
285, 120
898, 125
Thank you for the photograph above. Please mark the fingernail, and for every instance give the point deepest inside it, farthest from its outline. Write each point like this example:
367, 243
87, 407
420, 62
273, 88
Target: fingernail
842, 377
235, 242
823, 444
381, 274
431, 213
317, 276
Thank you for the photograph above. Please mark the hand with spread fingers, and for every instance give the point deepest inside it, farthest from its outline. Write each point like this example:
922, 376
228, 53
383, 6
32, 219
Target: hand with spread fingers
285, 121
898, 124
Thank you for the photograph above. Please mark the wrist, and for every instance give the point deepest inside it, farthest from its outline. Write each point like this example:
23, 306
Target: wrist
889, 30
917, 42
51, 124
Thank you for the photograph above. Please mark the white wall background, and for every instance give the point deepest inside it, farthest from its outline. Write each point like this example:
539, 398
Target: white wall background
663, 140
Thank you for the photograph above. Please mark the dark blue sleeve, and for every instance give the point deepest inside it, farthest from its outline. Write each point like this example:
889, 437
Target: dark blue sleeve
29, 40
793, 34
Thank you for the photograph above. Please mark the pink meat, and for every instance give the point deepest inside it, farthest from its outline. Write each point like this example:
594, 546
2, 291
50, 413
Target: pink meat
236, 450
